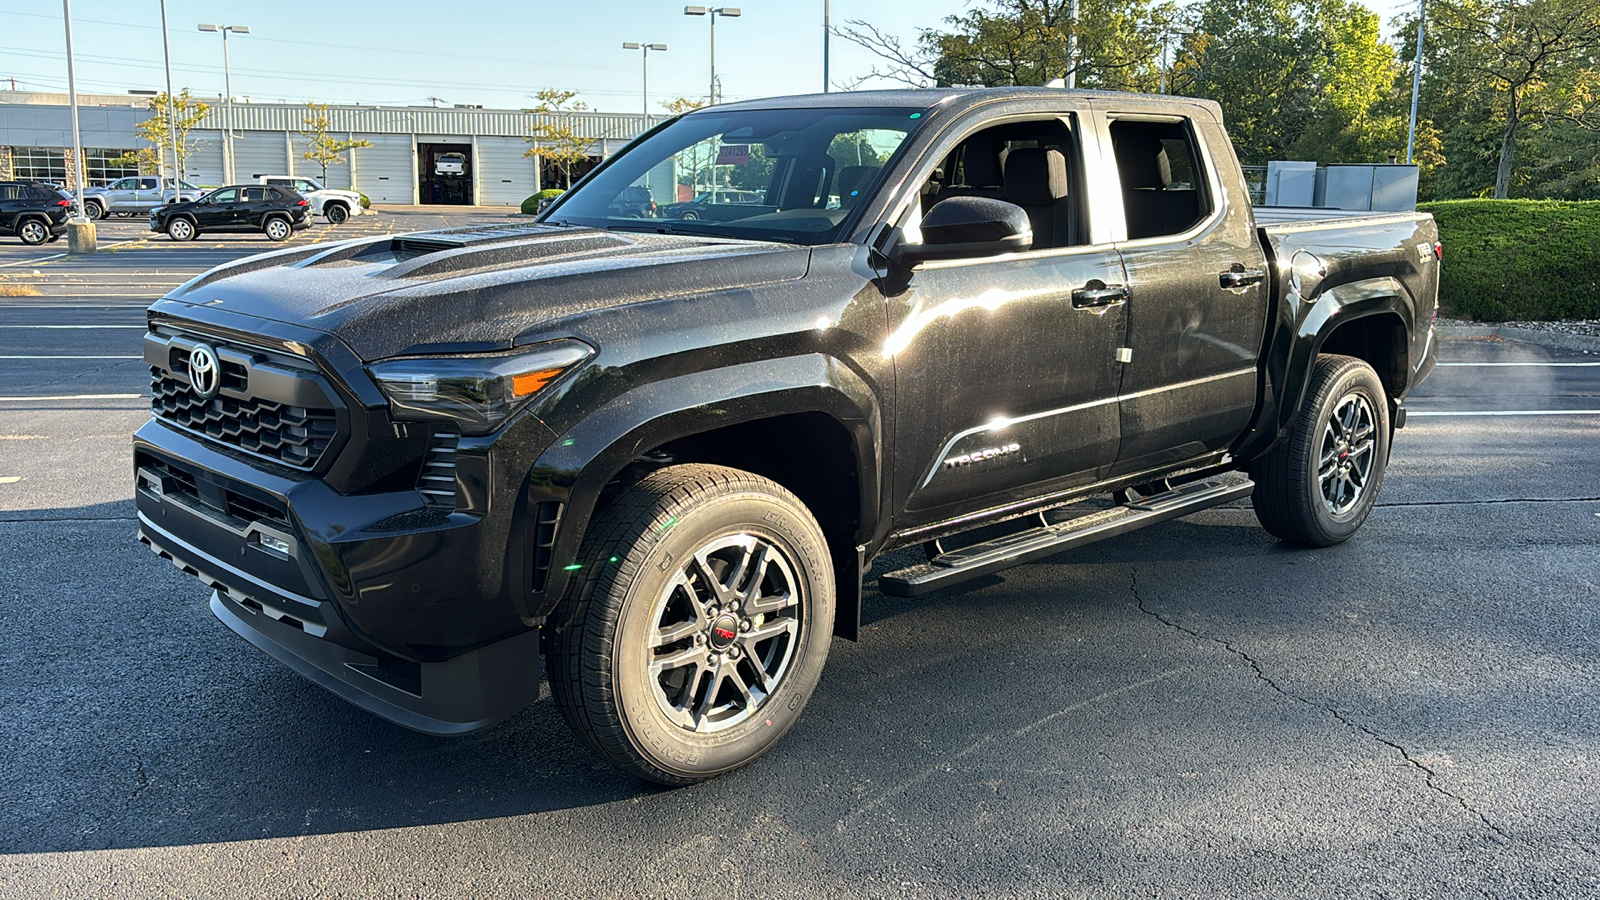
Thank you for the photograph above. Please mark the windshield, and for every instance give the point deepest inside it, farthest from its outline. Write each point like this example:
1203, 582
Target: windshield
789, 175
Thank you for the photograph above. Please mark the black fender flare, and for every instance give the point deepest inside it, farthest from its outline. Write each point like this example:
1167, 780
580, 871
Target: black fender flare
1288, 360
581, 462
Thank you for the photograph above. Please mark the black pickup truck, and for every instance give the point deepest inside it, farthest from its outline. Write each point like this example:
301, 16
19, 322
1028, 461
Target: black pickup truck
661, 455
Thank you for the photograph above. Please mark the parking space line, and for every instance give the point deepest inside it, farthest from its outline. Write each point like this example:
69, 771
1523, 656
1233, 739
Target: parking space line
1512, 365
1414, 413
141, 327
72, 397
54, 356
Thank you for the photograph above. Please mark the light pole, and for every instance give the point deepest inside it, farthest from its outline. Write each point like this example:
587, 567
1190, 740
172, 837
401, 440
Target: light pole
80, 233
825, 30
172, 115
227, 85
1416, 81
1168, 32
646, 48
730, 12
1072, 44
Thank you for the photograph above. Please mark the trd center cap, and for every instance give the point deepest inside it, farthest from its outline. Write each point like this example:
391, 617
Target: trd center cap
723, 631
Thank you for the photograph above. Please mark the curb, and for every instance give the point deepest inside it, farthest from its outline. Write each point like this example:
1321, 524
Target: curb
1581, 343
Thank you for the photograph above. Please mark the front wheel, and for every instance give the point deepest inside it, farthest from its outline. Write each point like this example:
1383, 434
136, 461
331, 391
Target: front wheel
33, 232
277, 230
337, 214
181, 229
1318, 485
699, 625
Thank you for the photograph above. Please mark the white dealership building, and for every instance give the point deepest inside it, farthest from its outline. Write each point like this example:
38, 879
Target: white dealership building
399, 167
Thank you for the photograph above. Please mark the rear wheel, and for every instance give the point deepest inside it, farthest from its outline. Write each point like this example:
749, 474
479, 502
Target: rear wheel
276, 229
1318, 485
181, 229
699, 627
33, 232
336, 213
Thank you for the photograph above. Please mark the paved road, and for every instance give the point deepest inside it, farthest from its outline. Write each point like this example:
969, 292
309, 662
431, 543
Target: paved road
1192, 710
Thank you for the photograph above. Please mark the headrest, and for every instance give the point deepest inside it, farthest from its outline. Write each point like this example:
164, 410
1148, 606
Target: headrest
1035, 176
980, 163
1142, 162
852, 180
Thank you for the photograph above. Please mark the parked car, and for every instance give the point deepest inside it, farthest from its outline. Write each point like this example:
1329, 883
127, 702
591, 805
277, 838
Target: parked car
33, 211
333, 203
410, 466
717, 206
633, 202
450, 164
277, 212
134, 195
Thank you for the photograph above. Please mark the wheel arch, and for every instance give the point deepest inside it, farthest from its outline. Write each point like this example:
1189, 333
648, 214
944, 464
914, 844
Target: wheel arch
794, 420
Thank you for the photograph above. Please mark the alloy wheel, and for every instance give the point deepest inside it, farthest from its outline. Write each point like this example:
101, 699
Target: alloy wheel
1344, 464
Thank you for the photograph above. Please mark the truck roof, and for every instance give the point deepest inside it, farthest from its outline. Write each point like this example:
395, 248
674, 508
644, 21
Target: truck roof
962, 97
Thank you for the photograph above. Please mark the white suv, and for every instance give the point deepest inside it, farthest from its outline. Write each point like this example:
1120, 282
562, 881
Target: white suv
335, 204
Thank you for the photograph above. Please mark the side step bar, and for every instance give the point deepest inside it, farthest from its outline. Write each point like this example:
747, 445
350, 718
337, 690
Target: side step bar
1047, 540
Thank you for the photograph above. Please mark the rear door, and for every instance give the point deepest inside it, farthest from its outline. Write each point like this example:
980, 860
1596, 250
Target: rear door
148, 196
1197, 295
11, 202
253, 206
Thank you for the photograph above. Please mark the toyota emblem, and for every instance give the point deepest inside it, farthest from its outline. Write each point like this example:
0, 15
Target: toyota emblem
205, 373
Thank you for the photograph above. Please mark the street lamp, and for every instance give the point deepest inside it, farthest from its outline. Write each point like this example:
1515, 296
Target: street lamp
227, 85
646, 48
1416, 82
1169, 31
730, 12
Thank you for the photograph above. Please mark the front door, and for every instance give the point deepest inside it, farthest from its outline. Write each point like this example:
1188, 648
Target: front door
219, 209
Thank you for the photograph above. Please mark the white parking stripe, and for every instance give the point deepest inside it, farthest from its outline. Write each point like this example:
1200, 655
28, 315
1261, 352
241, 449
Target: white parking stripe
140, 327
1414, 413
1511, 365
72, 397
71, 357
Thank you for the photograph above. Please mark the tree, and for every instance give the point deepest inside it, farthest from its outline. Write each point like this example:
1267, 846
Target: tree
155, 131
553, 136
679, 105
1538, 57
323, 148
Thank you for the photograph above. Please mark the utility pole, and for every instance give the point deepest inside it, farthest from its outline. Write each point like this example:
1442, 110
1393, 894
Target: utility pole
178, 174
825, 34
1416, 81
1072, 45
80, 232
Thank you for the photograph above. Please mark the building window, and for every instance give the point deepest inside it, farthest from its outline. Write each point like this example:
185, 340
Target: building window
39, 164
98, 168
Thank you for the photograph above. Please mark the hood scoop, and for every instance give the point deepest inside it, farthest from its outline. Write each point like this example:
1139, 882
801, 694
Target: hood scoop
431, 257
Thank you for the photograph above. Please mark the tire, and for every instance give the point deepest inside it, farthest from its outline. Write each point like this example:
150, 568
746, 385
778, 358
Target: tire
1317, 486
277, 228
181, 229
673, 582
690, 215
336, 213
33, 232
93, 211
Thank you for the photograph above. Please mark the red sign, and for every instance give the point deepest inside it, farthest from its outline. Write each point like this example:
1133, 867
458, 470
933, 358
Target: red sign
734, 155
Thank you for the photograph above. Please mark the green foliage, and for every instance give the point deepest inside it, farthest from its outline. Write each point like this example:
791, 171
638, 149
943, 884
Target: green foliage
323, 148
154, 130
1519, 259
365, 202
552, 135
531, 205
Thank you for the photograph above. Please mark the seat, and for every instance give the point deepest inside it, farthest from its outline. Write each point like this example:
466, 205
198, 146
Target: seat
1036, 180
1152, 207
981, 175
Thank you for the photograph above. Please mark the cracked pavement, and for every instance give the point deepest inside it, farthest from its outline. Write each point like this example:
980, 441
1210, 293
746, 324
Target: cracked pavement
1190, 710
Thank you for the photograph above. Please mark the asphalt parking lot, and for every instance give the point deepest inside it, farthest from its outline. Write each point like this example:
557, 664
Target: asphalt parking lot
1191, 710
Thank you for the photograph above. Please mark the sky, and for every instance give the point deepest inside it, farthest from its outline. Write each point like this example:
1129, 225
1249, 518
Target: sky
497, 53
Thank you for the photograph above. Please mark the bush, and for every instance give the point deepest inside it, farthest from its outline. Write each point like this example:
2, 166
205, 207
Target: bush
532, 205
1519, 260
365, 203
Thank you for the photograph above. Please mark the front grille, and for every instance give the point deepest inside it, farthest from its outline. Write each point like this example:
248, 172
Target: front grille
296, 435
267, 402
437, 481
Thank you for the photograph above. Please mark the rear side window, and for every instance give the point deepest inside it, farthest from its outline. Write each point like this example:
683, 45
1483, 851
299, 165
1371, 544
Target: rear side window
147, 184
1158, 165
38, 193
254, 194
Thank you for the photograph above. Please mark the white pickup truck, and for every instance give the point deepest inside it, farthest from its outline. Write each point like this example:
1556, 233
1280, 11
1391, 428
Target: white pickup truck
336, 205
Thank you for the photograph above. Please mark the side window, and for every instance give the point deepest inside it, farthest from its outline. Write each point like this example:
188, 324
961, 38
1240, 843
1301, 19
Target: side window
147, 184
1032, 164
10, 192
303, 186
126, 184
38, 193
228, 195
254, 194
1158, 165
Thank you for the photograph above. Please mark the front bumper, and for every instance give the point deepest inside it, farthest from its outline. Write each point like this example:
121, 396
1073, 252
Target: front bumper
403, 609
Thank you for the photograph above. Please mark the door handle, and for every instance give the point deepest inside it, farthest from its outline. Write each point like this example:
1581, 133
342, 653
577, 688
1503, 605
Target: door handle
1098, 293
1240, 277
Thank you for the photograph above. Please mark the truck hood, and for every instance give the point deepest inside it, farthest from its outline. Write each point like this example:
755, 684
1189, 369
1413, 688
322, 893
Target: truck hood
483, 288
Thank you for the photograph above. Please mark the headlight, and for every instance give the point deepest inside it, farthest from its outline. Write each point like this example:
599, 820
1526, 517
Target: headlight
478, 392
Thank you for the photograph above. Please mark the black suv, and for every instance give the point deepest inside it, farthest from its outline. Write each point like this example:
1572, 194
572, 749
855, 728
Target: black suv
278, 212
32, 211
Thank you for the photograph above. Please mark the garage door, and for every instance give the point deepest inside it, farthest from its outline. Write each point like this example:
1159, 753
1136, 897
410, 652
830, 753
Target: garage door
204, 163
259, 153
505, 176
383, 171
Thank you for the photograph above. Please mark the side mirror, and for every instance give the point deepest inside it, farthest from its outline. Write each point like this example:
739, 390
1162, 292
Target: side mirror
967, 227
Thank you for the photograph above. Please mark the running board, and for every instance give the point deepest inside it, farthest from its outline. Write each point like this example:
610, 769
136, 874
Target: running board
966, 563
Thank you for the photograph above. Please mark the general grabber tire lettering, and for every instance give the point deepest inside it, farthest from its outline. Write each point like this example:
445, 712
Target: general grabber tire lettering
1318, 485
699, 626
